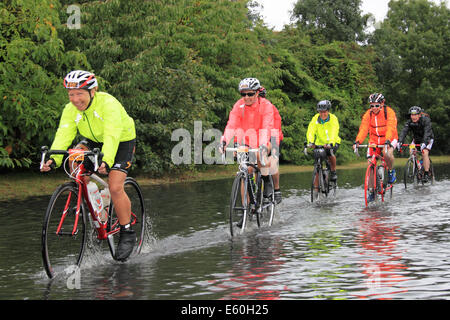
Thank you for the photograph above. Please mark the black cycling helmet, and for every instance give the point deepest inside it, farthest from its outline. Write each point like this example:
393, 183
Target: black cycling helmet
376, 98
415, 110
324, 105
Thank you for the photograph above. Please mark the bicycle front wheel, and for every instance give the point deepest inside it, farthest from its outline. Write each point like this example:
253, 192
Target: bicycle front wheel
138, 217
315, 191
239, 207
369, 187
409, 174
63, 238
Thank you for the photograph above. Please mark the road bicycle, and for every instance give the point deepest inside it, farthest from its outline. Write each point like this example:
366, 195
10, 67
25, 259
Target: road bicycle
247, 200
380, 185
71, 215
414, 170
321, 185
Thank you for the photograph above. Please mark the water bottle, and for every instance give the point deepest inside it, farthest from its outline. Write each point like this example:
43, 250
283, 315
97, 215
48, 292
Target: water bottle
380, 171
95, 197
106, 198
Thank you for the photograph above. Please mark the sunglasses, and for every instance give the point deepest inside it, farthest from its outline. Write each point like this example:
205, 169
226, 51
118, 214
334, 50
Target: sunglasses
250, 94
375, 105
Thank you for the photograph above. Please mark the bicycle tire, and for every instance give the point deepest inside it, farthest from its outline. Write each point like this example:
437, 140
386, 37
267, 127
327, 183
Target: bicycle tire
315, 196
431, 171
271, 208
63, 249
259, 198
138, 220
238, 209
267, 205
370, 170
409, 173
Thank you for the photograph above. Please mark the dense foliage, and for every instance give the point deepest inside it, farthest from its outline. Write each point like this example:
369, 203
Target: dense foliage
171, 63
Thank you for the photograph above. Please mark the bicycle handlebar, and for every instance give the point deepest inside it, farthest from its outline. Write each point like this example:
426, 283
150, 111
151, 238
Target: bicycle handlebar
369, 146
305, 150
95, 152
243, 149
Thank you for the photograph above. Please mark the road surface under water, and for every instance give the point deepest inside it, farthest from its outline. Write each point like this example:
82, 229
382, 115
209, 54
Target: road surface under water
333, 250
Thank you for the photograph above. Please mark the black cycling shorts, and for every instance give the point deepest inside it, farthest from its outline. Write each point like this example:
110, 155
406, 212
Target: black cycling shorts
124, 155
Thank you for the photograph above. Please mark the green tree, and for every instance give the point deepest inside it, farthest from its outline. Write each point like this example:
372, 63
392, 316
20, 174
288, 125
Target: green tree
32, 60
328, 20
412, 61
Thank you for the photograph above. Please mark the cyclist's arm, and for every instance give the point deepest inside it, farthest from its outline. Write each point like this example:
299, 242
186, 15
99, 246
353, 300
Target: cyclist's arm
427, 130
112, 131
391, 125
311, 132
267, 123
234, 123
363, 128
66, 132
404, 131
334, 130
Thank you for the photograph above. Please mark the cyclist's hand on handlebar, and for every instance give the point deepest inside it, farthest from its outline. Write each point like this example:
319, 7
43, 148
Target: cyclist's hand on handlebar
399, 146
388, 143
103, 169
47, 166
355, 146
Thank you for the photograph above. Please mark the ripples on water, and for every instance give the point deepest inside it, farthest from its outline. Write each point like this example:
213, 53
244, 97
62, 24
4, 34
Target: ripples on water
333, 250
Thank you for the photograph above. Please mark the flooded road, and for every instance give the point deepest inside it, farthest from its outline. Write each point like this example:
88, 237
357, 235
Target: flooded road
333, 250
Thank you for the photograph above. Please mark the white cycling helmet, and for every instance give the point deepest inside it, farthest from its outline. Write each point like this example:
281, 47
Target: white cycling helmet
249, 84
79, 79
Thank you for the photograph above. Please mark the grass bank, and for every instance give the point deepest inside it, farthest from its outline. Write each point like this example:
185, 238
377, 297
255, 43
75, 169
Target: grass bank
23, 185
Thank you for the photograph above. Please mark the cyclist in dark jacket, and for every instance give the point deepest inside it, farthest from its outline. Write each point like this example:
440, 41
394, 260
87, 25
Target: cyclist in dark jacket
420, 125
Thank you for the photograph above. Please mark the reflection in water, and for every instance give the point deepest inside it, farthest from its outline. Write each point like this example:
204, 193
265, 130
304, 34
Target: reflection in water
378, 237
254, 259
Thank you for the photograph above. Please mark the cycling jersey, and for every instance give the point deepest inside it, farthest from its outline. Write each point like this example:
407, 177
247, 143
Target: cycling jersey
381, 126
252, 125
322, 132
422, 131
105, 121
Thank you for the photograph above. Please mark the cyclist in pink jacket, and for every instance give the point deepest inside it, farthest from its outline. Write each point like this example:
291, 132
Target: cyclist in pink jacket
252, 122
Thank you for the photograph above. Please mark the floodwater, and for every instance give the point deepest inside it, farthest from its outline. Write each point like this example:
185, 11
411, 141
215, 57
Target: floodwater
336, 249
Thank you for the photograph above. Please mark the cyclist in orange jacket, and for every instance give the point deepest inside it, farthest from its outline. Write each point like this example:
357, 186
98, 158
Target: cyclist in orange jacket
380, 122
252, 122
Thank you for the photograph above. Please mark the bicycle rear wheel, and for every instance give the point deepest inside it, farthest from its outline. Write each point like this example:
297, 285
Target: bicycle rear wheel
138, 217
267, 205
315, 192
431, 171
409, 174
63, 244
238, 207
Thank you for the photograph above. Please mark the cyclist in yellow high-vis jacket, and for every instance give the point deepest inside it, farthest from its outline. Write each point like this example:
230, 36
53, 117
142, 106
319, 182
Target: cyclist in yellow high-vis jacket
103, 122
324, 130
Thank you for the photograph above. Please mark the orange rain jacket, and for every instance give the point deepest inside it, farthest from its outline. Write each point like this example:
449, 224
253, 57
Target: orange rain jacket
253, 125
381, 127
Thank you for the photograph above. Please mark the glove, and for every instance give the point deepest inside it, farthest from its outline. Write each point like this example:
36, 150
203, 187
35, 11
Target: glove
355, 145
310, 145
388, 142
423, 146
399, 146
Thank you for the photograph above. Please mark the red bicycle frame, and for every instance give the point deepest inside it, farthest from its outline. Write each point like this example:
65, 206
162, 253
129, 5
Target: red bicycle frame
104, 231
372, 166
